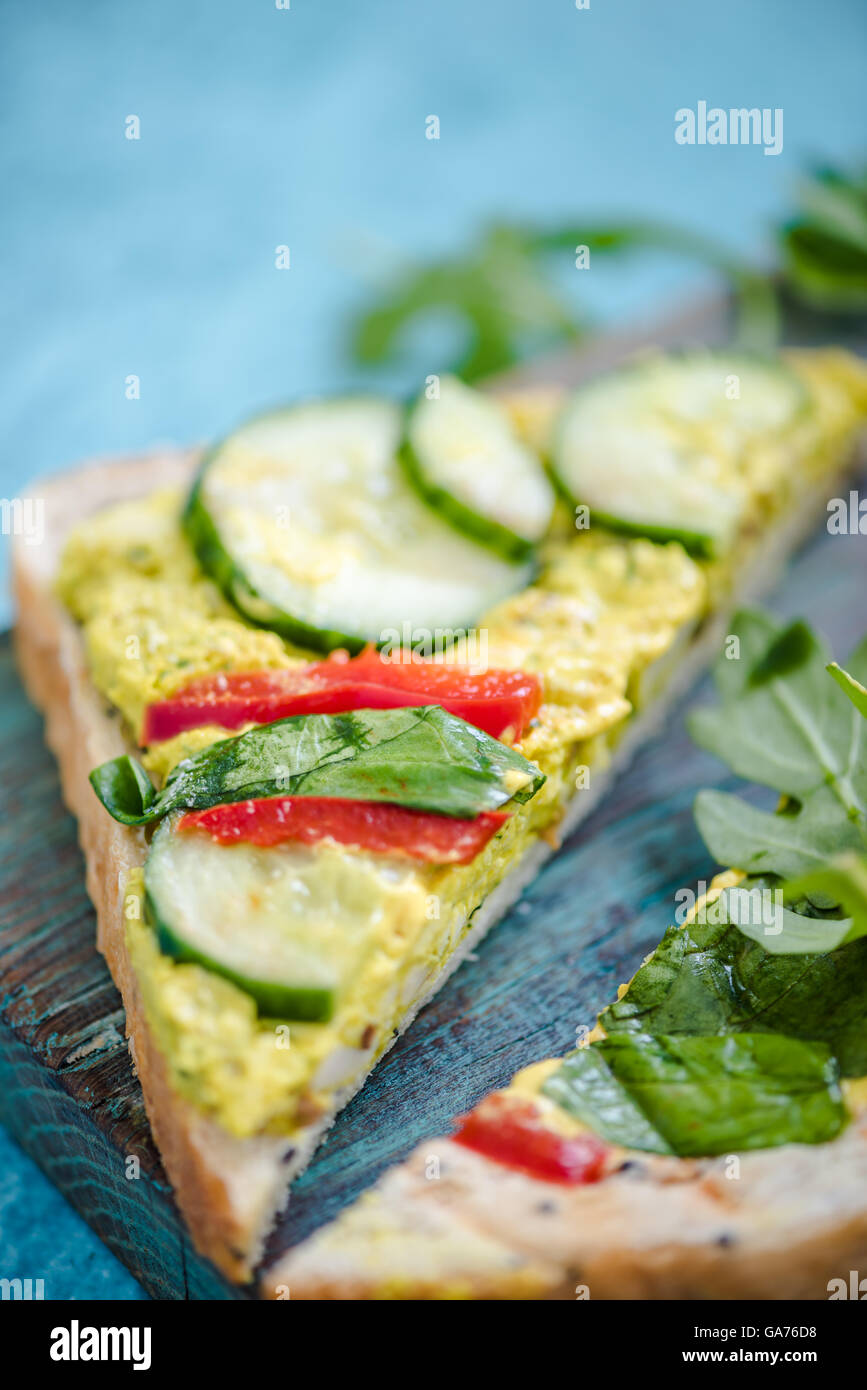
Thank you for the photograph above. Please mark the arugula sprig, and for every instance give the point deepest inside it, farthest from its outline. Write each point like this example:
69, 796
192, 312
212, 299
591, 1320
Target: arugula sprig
782, 722
505, 292
505, 288
843, 880
824, 246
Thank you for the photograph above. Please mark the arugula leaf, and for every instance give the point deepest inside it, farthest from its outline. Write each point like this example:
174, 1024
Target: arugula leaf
854, 689
825, 247
786, 727
504, 288
422, 758
781, 722
754, 631
788, 650
802, 929
711, 978
497, 290
763, 842
696, 1096
842, 880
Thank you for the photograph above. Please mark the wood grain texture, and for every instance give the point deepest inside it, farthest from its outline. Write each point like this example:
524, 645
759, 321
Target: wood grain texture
67, 1091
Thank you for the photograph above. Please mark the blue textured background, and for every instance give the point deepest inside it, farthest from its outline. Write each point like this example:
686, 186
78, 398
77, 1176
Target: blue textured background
306, 127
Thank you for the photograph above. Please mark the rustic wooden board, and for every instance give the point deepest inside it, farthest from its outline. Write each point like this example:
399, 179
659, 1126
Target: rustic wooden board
67, 1091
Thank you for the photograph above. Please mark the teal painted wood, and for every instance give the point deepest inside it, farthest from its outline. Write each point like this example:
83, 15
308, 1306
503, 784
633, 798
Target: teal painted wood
81, 1136
67, 1091
42, 1238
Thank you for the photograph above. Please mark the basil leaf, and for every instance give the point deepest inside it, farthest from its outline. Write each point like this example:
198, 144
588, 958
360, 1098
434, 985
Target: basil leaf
125, 790
709, 978
585, 1085
422, 758
696, 1096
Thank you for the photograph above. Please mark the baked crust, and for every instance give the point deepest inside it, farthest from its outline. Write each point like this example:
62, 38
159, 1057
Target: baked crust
777, 1224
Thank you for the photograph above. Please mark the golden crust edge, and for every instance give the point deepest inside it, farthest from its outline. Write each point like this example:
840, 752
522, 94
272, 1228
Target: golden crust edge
765, 1255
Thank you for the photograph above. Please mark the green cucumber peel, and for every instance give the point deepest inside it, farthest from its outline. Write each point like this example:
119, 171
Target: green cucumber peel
497, 465
216, 561
304, 1003
485, 530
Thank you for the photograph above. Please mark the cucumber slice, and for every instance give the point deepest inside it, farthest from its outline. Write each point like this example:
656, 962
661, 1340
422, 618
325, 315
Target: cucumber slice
306, 521
660, 448
289, 926
463, 456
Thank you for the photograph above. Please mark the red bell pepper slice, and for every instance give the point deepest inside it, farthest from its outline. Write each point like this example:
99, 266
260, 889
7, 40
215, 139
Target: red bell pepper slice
511, 1130
366, 825
499, 702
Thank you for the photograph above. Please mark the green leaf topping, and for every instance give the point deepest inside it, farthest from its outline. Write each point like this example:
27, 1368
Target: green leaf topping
702, 1095
760, 842
503, 293
783, 724
712, 978
424, 758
